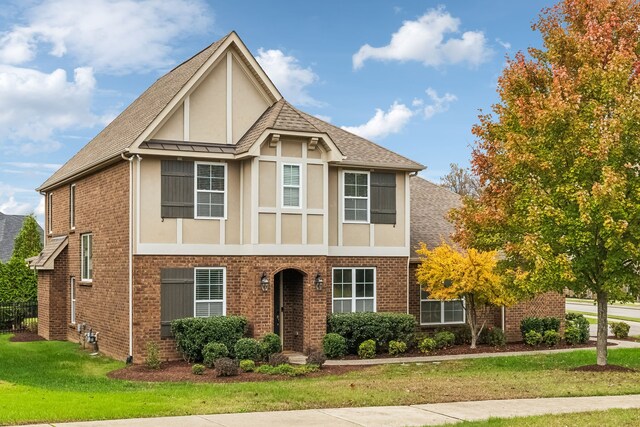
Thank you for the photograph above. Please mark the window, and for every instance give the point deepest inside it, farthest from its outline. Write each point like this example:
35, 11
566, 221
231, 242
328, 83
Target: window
290, 186
210, 190
210, 292
73, 299
86, 264
354, 290
437, 311
72, 206
50, 213
356, 197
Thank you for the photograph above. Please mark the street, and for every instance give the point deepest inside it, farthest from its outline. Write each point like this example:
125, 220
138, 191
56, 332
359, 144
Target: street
613, 310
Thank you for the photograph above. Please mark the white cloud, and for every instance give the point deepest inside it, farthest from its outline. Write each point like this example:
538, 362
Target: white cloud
324, 118
439, 104
34, 104
289, 77
383, 123
505, 45
8, 203
111, 36
31, 165
417, 102
425, 40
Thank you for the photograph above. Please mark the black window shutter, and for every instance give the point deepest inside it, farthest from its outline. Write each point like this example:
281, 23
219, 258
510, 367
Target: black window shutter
177, 189
176, 297
383, 198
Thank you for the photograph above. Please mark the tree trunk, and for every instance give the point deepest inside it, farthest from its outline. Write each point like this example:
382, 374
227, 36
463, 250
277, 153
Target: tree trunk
471, 319
603, 327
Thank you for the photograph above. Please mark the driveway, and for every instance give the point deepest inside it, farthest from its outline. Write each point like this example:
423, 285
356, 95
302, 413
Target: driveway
615, 310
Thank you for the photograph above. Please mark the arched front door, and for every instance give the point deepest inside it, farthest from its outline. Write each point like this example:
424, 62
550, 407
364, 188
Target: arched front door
288, 307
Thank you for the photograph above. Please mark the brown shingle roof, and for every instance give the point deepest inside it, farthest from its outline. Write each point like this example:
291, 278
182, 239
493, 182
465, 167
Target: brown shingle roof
45, 259
430, 206
127, 127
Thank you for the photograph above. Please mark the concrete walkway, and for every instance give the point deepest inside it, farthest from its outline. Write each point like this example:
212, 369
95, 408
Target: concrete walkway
299, 358
385, 416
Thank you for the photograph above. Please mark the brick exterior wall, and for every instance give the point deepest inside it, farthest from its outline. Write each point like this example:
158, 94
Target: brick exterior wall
244, 296
101, 208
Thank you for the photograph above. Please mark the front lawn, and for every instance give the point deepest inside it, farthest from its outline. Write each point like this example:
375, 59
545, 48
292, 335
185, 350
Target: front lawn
612, 417
55, 381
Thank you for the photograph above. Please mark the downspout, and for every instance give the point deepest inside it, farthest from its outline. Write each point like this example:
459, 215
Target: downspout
408, 283
503, 313
130, 160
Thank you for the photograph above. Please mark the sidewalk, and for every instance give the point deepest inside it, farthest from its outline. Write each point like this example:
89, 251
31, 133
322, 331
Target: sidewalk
384, 416
299, 358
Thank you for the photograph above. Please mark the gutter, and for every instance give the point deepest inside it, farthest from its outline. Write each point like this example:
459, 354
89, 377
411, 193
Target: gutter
130, 160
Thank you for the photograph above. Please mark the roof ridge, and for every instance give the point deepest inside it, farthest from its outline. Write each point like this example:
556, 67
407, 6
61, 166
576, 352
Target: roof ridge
298, 112
193, 56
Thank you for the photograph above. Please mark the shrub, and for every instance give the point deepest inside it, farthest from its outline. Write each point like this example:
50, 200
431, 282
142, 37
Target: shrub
292, 371
316, 358
192, 334
578, 321
248, 348
278, 359
427, 345
533, 338
381, 327
271, 344
152, 360
620, 329
495, 337
463, 335
397, 347
551, 324
539, 324
572, 335
213, 351
31, 324
226, 367
197, 369
444, 339
367, 349
334, 345
551, 338
247, 365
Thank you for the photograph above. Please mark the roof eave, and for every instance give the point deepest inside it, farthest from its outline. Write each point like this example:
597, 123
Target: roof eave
95, 166
417, 168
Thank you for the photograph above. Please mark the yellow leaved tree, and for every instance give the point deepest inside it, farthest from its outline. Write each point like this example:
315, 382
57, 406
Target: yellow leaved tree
470, 275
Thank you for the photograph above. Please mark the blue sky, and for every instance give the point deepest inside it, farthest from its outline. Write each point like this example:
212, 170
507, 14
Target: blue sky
409, 75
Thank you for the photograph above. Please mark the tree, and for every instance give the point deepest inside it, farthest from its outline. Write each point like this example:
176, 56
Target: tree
447, 274
559, 158
17, 281
461, 181
28, 242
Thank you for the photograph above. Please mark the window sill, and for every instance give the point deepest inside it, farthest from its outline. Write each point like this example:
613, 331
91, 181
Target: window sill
443, 324
86, 284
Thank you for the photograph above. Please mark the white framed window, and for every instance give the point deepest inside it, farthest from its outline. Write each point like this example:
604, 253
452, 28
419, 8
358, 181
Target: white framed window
72, 206
291, 184
72, 292
210, 292
439, 312
50, 213
354, 289
86, 262
211, 190
356, 196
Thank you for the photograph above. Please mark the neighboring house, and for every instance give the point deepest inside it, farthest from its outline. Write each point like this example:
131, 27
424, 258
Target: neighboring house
10, 226
212, 195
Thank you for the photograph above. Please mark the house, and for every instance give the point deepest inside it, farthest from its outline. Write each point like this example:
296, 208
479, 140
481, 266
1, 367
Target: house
212, 195
10, 226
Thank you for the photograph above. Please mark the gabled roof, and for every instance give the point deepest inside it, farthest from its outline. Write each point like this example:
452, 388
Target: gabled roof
45, 260
430, 206
10, 226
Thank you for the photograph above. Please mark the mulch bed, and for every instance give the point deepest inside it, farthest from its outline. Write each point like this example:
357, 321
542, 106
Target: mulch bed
605, 368
179, 371
25, 337
482, 348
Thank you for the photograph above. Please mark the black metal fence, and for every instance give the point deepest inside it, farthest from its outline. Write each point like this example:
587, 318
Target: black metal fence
19, 316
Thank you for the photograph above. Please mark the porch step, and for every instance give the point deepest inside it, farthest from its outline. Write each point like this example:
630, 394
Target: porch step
295, 357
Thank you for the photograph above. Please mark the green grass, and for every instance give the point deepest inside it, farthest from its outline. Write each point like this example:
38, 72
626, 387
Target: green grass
592, 302
609, 317
55, 381
612, 417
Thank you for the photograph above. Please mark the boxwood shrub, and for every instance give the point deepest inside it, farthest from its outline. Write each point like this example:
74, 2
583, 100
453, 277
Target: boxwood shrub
539, 324
380, 327
193, 333
578, 322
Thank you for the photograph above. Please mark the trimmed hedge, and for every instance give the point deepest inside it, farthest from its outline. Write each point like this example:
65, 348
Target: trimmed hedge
193, 333
539, 324
334, 346
380, 327
581, 324
248, 349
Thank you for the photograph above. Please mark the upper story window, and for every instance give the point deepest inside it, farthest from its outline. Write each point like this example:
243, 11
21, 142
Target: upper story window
354, 290
210, 292
50, 213
356, 196
435, 312
290, 185
72, 206
210, 190
86, 261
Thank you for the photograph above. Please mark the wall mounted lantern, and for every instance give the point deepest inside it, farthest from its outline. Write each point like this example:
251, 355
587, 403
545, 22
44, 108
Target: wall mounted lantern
264, 282
318, 282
